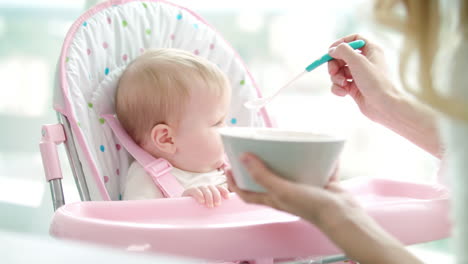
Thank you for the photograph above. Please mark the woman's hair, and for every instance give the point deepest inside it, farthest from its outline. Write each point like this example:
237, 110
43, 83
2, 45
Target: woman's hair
420, 23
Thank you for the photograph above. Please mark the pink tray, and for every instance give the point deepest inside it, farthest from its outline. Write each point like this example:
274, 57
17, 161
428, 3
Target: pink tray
414, 213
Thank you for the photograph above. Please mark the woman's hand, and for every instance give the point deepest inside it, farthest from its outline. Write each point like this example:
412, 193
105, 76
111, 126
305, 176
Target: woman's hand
322, 207
363, 76
210, 195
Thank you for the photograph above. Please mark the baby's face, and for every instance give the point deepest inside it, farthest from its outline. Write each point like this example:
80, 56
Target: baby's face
198, 144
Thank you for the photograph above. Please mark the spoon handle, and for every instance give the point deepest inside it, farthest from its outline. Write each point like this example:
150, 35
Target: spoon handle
325, 58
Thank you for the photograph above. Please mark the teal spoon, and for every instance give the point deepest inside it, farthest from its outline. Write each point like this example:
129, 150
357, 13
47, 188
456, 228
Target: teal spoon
261, 102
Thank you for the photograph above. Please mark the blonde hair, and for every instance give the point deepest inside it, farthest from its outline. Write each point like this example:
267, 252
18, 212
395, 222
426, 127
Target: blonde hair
155, 87
420, 25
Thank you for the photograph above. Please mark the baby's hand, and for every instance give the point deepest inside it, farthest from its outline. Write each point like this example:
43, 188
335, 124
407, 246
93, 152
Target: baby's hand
209, 195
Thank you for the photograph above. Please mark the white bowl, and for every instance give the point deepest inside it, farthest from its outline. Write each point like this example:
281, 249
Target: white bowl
303, 157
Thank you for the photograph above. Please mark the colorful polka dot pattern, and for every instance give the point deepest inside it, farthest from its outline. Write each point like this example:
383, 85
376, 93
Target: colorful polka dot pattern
107, 45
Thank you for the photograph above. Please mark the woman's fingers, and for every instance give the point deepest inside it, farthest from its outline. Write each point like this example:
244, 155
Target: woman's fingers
334, 186
351, 38
354, 92
340, 75
261, 174
347, 72
349, 55
335, 65
245, 195
338, 90
334, 175
338, 79
248, 196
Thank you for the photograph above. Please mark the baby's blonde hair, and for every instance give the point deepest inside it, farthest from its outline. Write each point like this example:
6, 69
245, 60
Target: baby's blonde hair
156, 86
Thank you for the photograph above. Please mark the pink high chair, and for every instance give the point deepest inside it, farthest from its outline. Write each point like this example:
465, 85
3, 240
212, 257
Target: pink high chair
97, 48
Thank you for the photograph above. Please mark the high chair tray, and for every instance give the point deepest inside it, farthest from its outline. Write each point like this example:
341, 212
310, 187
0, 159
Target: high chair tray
414, 213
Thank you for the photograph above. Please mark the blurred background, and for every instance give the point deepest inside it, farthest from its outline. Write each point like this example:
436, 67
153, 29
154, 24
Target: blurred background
276, 40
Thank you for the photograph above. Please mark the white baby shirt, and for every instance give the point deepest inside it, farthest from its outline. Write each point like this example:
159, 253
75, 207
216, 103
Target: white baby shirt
139, 185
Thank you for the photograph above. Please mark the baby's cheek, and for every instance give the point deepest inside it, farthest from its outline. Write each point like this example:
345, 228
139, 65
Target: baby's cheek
221, 148
218, 145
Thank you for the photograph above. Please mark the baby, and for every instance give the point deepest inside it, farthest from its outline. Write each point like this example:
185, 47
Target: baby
171, 103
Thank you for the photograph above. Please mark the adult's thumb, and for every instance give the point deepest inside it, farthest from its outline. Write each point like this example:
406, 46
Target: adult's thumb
261, 173
344, 52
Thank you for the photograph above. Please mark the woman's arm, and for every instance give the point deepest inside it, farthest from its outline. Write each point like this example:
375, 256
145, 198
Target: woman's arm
363, 240
415, 122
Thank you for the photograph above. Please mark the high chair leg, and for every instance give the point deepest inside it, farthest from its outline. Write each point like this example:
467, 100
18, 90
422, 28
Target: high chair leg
52, 135
74, 160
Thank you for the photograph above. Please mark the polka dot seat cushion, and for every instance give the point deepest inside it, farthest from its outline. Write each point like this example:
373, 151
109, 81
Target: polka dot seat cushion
98, 47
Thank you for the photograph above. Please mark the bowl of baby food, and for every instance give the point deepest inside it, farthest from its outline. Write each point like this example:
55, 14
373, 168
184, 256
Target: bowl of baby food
300, 156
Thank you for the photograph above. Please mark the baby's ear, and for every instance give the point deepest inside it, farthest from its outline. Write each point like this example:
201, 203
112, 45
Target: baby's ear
162, 138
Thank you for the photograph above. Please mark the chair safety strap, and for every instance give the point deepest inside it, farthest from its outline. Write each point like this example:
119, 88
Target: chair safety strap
158, 169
